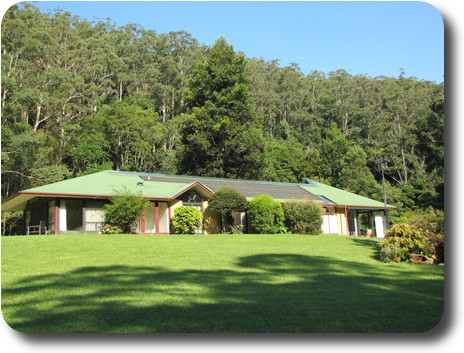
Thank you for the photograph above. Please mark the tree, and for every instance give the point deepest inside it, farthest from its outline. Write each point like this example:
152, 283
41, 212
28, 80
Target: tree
87, 155
431, 150
12, 223
222, 136
356, 177
418, 195
225, 201
19, 146
266, 215
333, 150
285, 161
49, 174
131, 134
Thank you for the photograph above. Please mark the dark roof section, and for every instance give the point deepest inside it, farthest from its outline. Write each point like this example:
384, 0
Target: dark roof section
326, 200
282, 191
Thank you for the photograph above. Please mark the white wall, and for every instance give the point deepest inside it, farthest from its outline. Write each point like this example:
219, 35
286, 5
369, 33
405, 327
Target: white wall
379, 225
330, 224
62, 217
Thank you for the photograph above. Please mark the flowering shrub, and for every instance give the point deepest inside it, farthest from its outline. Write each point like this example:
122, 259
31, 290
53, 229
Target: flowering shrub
109, 229
420, 233
411, 239
432, 223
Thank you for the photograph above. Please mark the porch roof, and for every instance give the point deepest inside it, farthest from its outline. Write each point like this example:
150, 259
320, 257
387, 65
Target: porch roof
342, 197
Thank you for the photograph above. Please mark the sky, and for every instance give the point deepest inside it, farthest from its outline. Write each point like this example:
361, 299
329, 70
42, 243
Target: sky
372, 38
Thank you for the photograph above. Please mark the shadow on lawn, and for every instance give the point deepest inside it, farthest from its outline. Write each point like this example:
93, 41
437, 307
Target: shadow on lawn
264, 293
372, 244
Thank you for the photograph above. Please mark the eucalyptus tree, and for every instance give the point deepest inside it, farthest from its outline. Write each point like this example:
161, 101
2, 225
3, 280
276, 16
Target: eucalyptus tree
264, 92
27, 48
178, 53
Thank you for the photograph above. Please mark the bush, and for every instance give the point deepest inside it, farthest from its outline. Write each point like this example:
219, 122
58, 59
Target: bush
225, 201
432, 223
411, 240
420, 233
303, 216
266, 215
186, 220
109, 229
124, 209
391, 253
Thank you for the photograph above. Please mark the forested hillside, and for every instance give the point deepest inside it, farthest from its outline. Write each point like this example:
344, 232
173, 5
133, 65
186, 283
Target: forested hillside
79, 97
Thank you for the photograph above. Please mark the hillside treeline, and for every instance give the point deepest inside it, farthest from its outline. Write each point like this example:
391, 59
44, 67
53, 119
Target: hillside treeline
79, 97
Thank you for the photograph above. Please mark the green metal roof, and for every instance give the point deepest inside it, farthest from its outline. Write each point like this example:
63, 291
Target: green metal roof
341, 197
108, 183
160, 186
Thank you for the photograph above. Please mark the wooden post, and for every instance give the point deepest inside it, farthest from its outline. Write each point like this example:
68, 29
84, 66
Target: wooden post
142, 222
346, 221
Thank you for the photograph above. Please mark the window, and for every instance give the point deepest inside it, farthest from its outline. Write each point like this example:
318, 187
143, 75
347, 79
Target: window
94, 216
51, 217
74, 215
191, 197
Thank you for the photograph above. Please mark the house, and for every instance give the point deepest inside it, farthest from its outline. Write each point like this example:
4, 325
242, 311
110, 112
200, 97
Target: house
76, 205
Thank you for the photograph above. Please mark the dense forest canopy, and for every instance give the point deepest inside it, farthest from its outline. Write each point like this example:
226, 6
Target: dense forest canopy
79, 97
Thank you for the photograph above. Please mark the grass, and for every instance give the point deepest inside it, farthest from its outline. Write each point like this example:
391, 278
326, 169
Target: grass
220, 283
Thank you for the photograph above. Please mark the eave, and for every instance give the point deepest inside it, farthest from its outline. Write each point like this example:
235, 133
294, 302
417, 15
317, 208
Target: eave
18, 202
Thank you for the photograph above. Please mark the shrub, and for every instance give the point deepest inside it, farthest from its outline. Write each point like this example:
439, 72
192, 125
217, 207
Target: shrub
186, 220
109, 229
411, 240
124, 209
225, 201
422, 233
391, 253
303, 216
266, 215
432, 223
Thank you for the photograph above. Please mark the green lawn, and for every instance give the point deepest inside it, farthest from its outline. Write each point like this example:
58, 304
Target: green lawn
215, 283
